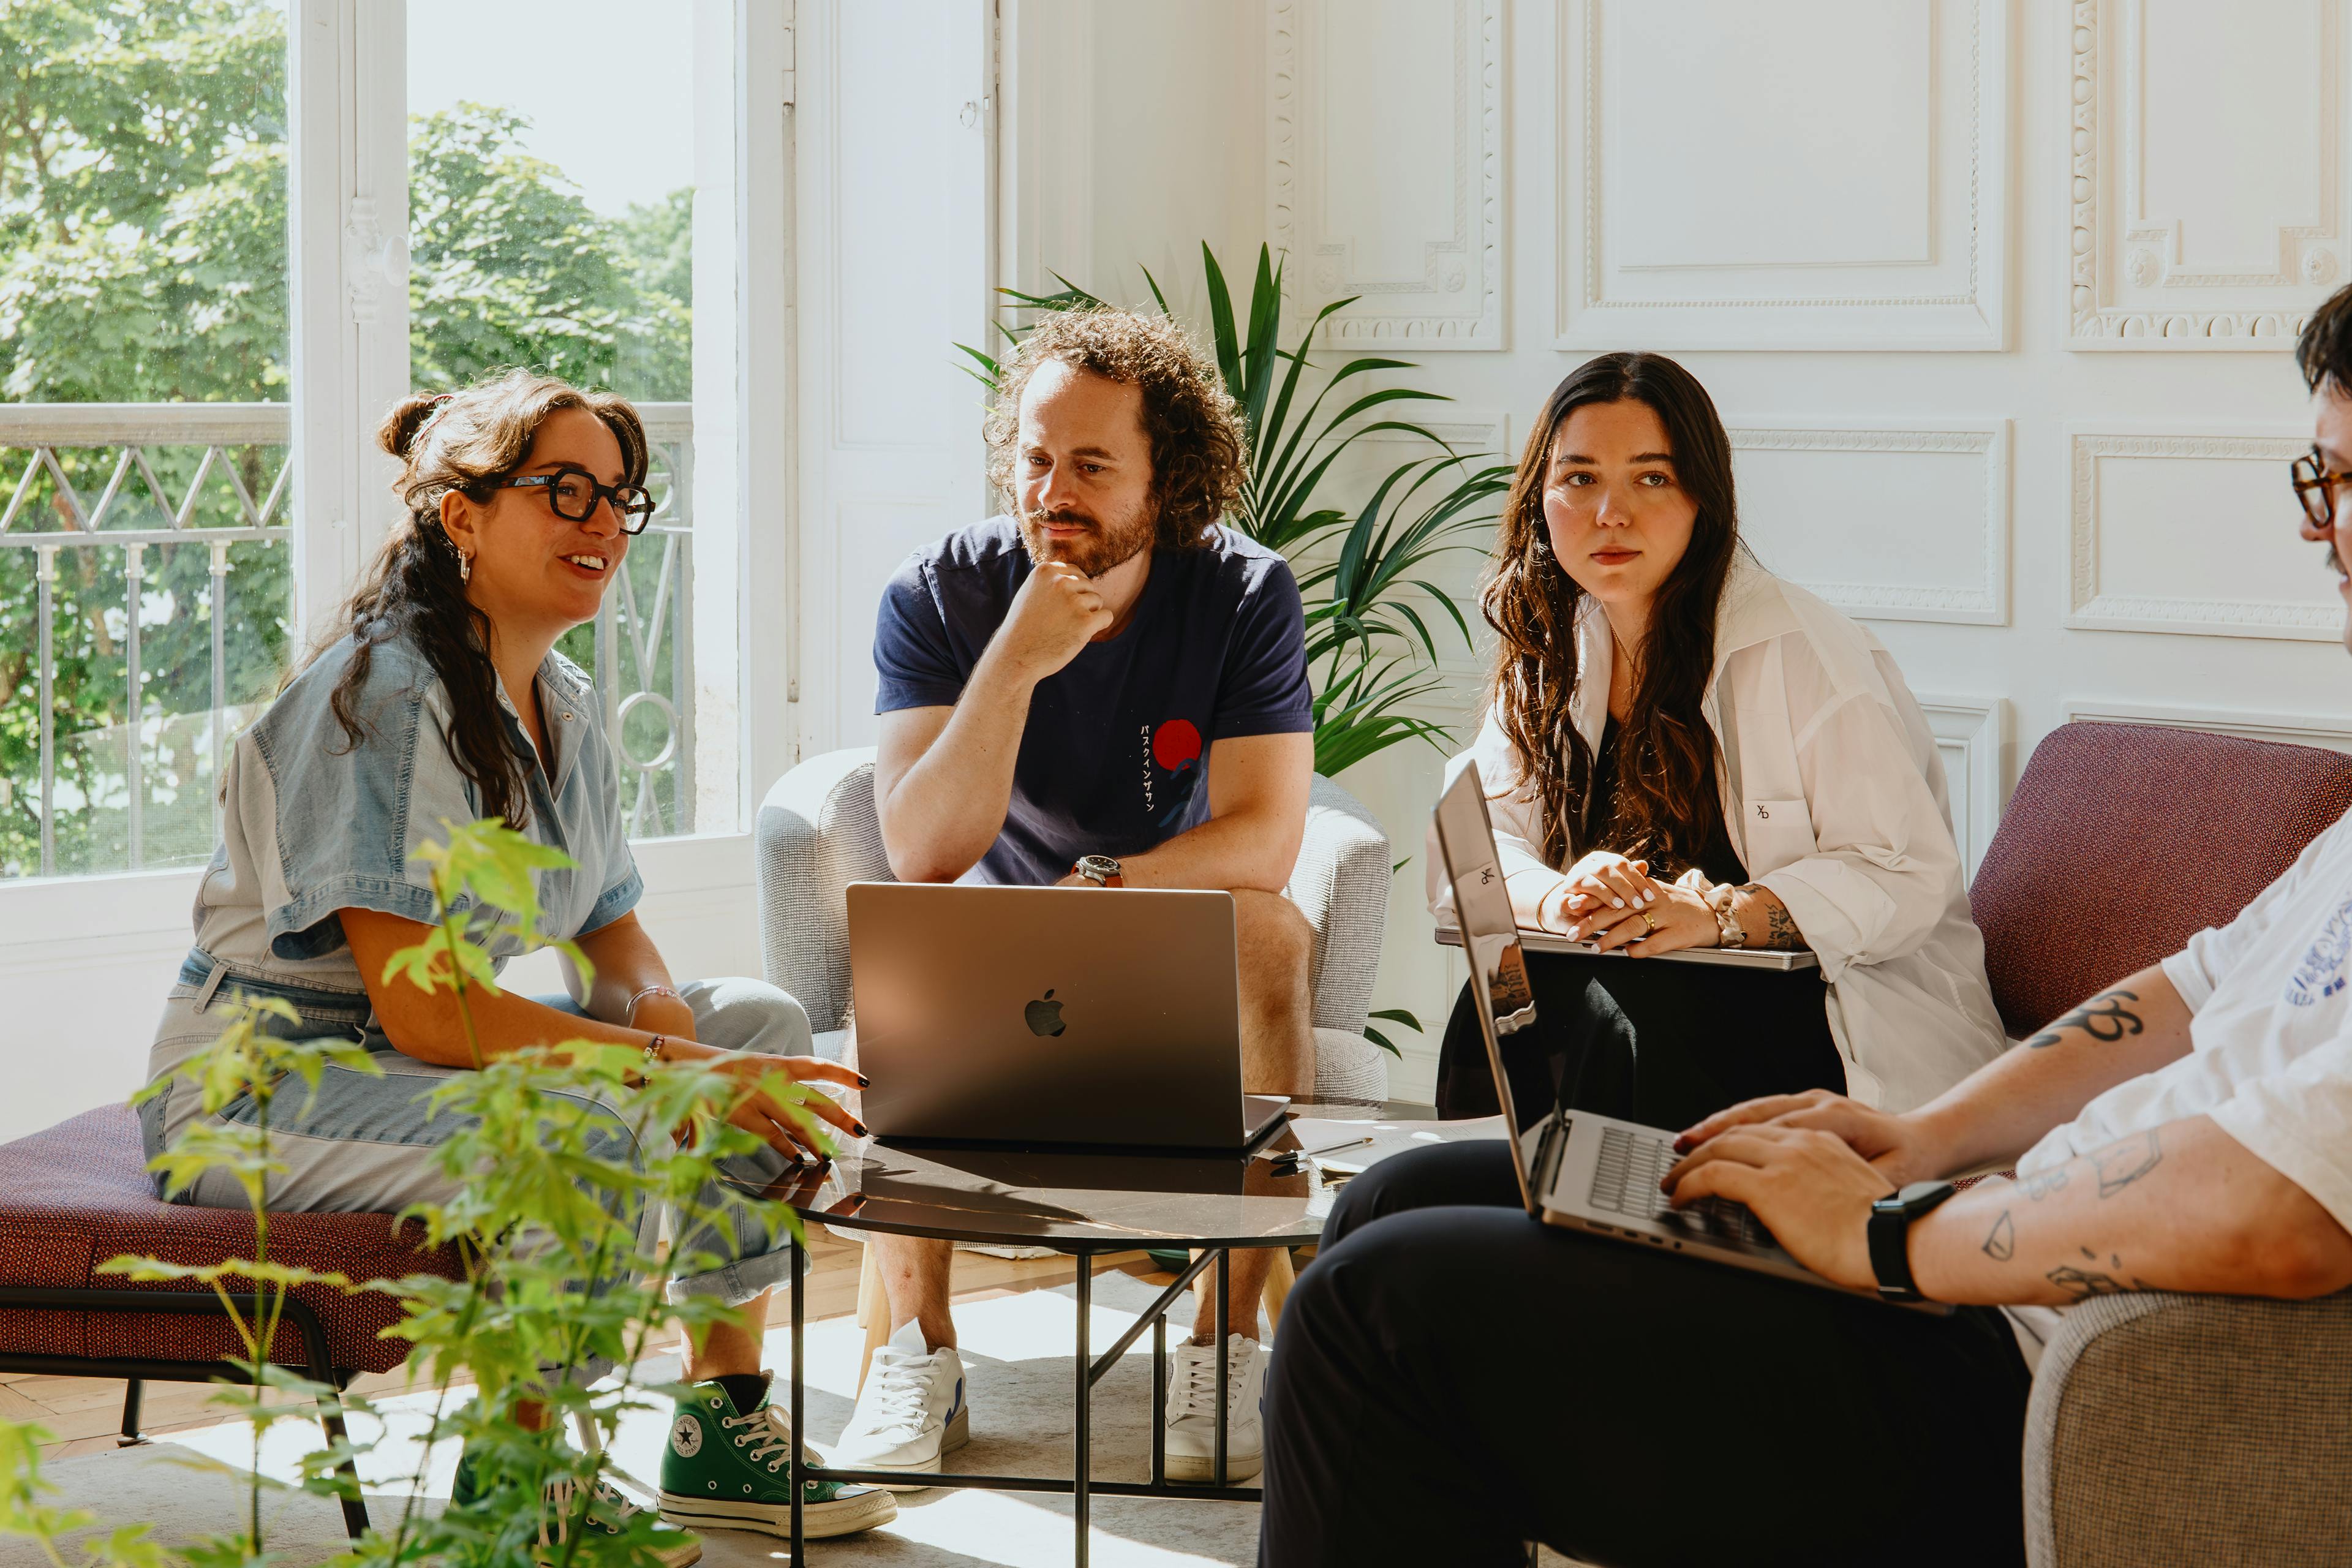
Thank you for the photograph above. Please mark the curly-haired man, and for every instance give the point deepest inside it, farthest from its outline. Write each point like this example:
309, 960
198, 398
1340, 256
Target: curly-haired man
1104, 688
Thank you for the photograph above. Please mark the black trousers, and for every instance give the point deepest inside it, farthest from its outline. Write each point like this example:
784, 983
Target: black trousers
1660, 1044
1452, 1379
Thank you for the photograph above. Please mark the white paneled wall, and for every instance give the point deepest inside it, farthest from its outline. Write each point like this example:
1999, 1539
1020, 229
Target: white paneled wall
1826, 174
1814, 205
1385, 167
895, 190
2207, 199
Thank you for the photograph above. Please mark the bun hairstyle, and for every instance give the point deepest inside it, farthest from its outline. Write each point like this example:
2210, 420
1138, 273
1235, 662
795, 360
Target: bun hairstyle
464, 441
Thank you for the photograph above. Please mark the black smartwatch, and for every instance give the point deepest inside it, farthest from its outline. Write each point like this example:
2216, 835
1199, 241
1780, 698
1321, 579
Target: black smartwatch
1890, 1236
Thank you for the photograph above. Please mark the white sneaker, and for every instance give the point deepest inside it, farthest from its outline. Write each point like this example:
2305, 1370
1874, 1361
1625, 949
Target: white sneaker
1192, 1414
911, 1411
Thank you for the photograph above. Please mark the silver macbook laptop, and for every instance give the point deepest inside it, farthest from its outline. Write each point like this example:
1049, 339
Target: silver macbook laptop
1059, 1016
1583, 1172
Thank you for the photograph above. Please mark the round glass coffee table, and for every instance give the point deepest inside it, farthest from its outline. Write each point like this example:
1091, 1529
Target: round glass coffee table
1087, 1203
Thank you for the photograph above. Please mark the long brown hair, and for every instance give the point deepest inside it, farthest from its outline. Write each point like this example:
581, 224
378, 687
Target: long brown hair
464, 441
1668, 800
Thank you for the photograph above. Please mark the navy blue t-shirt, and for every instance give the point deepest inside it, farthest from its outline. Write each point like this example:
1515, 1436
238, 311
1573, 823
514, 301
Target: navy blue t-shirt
1115, 757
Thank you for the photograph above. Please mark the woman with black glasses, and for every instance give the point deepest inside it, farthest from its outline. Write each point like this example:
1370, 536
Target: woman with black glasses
440, 696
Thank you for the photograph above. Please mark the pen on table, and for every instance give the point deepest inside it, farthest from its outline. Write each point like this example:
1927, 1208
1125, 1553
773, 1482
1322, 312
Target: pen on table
1334, 1148
1294, 1155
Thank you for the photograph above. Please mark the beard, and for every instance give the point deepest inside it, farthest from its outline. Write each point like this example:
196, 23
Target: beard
1094, 553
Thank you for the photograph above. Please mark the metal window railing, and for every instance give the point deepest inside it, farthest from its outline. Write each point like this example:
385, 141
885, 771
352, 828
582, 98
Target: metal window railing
636, 634
141, 478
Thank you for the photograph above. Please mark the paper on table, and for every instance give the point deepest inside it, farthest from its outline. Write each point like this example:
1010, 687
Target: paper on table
1388, 1138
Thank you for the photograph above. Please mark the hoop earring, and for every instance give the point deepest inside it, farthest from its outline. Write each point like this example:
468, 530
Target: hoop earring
465, 567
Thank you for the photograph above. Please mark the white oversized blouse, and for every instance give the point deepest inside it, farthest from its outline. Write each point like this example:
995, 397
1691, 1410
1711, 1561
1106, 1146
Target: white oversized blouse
1834, 797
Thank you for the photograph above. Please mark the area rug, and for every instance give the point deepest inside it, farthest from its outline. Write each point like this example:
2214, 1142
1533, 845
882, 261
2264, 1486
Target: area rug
1016, 1350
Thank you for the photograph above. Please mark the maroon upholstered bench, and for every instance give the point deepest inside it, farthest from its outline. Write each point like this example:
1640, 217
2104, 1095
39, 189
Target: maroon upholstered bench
79, 1194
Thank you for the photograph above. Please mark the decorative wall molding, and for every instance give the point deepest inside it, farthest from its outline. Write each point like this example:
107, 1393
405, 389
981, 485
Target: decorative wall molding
2126, 288
1953, 298
1453, 298
2300, 730
1973, 733
1983, 600
2091, 608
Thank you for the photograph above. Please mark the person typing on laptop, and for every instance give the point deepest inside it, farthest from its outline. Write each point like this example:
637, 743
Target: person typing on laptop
1687, 752
1103, 689
2188, 1129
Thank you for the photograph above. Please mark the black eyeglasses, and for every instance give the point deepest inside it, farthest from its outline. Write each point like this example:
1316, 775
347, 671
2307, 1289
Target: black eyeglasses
574, 492
2315, 487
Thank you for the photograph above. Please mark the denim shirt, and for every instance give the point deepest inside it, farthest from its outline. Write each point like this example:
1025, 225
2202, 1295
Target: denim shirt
313, 822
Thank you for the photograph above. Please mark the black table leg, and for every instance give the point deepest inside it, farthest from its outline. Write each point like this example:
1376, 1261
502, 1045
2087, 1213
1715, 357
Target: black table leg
1084, 1446
796, 1470
1224, 1328
1160, 1399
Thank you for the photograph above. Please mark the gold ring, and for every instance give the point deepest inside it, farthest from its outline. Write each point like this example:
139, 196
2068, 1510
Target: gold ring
1648, 921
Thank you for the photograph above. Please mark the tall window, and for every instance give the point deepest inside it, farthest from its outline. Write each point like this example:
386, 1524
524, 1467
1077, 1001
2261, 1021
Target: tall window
144, 585
551, 224
149, 360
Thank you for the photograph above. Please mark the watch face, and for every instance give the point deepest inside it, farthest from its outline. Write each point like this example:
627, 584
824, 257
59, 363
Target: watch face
1917, 1198
1097, 866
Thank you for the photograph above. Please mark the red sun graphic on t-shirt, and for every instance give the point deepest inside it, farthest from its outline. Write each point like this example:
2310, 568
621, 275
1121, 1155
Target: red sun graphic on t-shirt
1175, 744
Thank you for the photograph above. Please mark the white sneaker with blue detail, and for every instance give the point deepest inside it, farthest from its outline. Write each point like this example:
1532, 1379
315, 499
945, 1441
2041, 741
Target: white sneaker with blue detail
1192, 1413
910, 1411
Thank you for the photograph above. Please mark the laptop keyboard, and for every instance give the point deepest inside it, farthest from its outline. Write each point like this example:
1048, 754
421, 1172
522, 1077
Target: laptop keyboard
1625, 1181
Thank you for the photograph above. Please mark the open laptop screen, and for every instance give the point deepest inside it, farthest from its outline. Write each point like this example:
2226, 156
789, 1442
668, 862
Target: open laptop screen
1490, 937
1490, 932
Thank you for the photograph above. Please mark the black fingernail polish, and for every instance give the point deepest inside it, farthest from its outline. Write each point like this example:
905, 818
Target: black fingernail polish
862, 1133
864, 1082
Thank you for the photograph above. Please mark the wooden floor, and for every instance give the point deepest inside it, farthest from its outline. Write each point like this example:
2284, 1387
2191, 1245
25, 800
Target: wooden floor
84, 1414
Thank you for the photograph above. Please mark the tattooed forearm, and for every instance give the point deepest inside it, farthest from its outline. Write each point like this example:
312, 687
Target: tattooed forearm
2122, 1164
2103, 1017
1780, 931
2083, 1283
2042, 1186
2001, 1244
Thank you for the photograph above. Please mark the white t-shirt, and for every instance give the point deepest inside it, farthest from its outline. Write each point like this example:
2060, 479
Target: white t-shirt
2270, 1056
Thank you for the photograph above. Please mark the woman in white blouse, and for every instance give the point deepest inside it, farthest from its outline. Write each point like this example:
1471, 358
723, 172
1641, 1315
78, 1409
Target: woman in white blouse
1686, 752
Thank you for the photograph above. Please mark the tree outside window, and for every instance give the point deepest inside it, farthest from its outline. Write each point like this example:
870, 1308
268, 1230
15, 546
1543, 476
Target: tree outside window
143, 223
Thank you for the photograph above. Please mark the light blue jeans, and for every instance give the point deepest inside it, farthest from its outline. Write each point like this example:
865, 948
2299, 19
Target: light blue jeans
369, 1144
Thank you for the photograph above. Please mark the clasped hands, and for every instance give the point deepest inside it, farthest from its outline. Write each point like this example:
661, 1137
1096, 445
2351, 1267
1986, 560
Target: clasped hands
1604, 897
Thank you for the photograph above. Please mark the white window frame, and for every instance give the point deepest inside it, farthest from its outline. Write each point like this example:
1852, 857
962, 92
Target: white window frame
348, 182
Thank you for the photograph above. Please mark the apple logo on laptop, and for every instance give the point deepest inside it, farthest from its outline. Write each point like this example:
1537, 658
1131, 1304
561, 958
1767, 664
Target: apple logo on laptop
1044, 1015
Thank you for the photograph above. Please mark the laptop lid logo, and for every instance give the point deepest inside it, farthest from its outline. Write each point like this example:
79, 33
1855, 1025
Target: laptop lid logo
1045, 1017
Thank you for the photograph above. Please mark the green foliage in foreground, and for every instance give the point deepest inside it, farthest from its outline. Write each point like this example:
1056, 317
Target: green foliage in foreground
546, 1196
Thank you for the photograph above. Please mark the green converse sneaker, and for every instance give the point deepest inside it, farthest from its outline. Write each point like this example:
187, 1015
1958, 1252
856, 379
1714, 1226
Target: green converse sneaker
609, 1514
728, 1470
